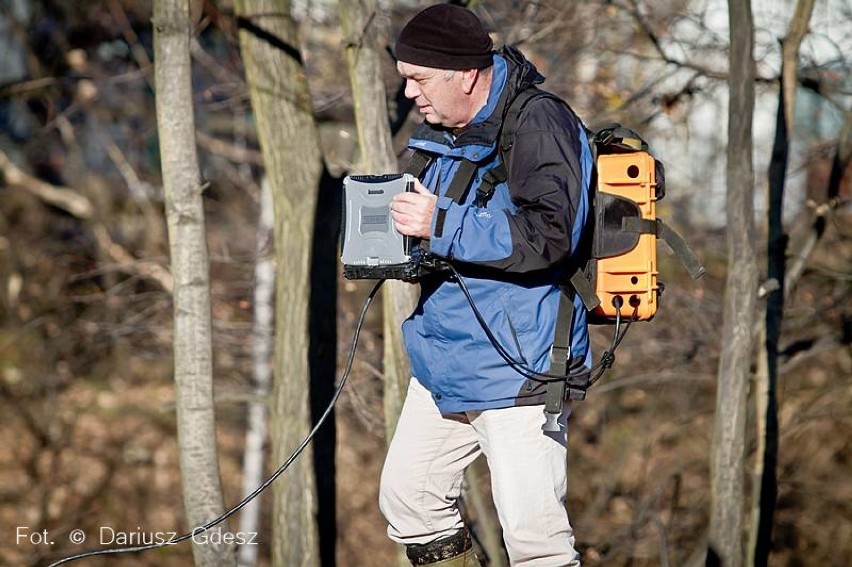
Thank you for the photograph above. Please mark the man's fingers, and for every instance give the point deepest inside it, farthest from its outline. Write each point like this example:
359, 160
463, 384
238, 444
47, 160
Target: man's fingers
407, 207
412, 212
409, 198
411, 225
420, 188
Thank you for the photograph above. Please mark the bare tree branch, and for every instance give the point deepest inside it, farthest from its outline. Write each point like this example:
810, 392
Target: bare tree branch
228, 151
62, 197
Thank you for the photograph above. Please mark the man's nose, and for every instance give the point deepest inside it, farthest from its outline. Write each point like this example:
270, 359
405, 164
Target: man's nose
411, 90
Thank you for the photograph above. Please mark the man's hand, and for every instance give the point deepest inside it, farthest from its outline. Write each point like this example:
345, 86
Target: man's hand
412, 212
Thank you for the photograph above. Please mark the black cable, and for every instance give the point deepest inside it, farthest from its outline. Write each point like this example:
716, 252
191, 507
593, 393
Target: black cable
616, 338
308, 438
601, 366
606, 361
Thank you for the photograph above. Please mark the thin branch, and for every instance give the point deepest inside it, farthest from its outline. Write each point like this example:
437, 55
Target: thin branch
24, 87
136, 48
656, 42
80, 207
228, 151
639, 380
821, 214
118, 254
820, 347
61, 197
220, 72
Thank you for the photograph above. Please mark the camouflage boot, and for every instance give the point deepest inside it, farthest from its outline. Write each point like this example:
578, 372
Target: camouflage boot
452, 551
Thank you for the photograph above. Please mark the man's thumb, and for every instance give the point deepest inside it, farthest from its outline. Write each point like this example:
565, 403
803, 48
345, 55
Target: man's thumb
420, 188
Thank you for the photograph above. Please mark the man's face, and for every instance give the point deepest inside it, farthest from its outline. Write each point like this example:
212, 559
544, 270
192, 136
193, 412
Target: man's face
438, 94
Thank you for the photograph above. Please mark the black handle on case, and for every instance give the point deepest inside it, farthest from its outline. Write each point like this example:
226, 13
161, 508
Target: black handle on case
375, 178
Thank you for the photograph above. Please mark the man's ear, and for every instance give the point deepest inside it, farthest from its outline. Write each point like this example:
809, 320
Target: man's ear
469, 79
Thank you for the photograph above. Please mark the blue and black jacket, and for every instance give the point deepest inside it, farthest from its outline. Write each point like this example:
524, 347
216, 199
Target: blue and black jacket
511, 253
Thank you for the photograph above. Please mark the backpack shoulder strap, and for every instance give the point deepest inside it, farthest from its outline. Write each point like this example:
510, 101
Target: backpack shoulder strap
458, 188
418, 162
456, 191
513, 114
505, 142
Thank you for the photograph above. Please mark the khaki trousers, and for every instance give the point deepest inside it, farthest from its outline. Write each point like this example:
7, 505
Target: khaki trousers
423, 472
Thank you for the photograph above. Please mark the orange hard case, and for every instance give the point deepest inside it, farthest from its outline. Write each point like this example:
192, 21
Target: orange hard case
631, 276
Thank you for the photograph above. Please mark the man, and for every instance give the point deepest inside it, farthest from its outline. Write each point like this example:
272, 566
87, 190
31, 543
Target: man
464, 398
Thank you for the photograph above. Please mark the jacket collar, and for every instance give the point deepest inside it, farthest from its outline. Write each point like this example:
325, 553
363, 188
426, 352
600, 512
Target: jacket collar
512, 73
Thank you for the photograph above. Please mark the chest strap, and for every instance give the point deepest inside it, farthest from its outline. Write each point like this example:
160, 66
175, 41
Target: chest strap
459, 186
417, 163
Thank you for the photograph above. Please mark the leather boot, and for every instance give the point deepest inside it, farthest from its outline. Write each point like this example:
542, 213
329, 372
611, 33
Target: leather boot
452, 551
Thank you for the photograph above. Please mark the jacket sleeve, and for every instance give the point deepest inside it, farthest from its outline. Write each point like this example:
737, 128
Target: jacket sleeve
549, 173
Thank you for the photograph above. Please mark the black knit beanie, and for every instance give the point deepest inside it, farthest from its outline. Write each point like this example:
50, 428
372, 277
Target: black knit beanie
444, 36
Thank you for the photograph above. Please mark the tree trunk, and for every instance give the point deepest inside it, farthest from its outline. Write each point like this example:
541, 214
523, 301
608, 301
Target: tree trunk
262, 345
202, 491
727, 460
290, 145
766, 379
363, 57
